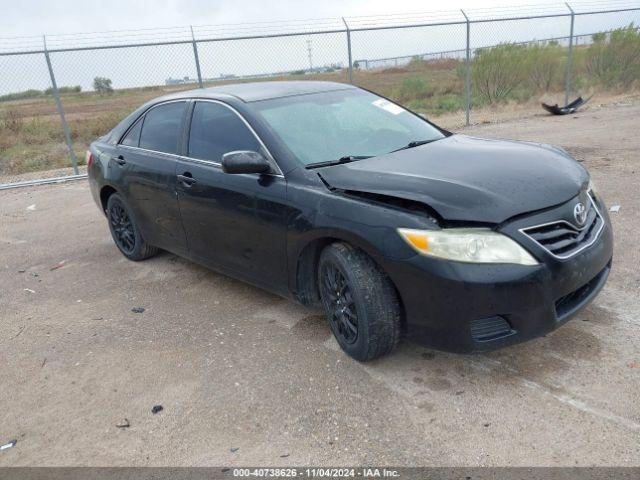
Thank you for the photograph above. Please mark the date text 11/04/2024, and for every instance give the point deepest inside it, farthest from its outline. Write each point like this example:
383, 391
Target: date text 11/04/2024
316, 472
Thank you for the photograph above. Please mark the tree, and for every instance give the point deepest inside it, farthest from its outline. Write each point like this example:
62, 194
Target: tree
102, 85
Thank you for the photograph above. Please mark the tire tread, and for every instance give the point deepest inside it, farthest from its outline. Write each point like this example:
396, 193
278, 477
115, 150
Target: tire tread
143, 250
383, 312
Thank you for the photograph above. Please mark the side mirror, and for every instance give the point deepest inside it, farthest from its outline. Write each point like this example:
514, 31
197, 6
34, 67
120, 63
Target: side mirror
244, 161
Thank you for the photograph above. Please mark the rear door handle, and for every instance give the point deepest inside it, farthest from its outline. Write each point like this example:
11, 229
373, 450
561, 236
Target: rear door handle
186, 179
119, 160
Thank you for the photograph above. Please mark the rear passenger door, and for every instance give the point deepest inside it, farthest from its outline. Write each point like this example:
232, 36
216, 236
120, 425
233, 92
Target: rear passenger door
146, 162
234, 222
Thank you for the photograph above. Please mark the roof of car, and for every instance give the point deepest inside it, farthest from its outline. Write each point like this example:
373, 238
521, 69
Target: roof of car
255, 91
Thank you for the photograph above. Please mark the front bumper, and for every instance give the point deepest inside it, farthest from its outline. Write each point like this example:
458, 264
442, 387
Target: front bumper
463, 307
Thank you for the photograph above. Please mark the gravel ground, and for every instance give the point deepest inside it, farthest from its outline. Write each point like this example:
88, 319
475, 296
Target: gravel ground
248, 378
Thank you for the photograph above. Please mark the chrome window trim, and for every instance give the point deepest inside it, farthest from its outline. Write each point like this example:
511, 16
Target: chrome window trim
579, 229
198, 160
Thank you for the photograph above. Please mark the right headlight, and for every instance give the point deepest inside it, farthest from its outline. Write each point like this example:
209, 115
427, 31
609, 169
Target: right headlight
474, 245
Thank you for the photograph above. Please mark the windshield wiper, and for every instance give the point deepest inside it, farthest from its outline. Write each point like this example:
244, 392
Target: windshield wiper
346, 159
415, 143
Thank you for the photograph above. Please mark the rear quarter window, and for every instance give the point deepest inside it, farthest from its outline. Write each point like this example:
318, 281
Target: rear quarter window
132, 138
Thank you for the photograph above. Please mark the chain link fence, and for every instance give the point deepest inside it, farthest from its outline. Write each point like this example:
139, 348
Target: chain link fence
59, 93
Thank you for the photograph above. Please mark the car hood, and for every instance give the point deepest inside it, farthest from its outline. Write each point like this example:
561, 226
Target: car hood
468, 179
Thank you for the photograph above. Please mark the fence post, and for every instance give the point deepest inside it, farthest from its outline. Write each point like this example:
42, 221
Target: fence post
349, 50
567, 75
63, 120
467, 73
195, 55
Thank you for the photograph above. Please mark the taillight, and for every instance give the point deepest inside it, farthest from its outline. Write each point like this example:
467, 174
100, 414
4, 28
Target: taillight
89, 158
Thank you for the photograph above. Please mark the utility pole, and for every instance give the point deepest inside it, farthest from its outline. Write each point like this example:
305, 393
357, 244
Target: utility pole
310, 51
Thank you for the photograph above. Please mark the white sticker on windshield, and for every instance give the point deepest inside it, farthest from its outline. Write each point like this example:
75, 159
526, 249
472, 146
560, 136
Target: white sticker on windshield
388, 106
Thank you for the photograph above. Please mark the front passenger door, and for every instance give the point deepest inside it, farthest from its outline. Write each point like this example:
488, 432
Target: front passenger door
234, 222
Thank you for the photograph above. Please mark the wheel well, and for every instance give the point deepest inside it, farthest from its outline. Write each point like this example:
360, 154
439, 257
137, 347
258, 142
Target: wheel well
307, 276
105, 193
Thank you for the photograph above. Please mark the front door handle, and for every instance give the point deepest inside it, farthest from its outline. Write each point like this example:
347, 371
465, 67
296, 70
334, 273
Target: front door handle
186, 179
119, 160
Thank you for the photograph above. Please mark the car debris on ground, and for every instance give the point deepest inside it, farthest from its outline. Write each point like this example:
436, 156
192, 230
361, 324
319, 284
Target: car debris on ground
568, 108
124, 424
58, 265
6, 446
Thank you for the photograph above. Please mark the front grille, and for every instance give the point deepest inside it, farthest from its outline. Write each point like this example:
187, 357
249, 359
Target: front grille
485, 329
563, 239
571, 301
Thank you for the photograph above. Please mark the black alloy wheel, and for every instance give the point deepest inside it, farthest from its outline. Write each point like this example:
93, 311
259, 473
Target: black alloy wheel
122, 227
339, 303
125, 231
360, 301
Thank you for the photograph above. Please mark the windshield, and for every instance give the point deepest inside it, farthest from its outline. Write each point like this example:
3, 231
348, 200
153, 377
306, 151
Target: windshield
327, 126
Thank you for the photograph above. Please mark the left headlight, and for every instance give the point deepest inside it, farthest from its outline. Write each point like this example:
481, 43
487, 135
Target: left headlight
474, 245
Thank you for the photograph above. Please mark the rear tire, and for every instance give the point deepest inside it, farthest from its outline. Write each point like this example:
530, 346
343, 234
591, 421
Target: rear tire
360, 301
125, 231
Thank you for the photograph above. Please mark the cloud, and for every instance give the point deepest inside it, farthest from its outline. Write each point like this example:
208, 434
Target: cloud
35, 17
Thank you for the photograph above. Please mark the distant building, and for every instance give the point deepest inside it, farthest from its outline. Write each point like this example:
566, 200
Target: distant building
180, 81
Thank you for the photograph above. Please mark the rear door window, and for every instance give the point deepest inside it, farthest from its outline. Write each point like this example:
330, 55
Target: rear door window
216, 130
132, 138
162, 128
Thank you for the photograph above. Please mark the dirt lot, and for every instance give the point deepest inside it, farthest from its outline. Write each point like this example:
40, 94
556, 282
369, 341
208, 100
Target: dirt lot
248, 378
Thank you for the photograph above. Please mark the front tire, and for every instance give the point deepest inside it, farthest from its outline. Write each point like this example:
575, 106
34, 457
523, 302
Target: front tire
125, 231
360, 302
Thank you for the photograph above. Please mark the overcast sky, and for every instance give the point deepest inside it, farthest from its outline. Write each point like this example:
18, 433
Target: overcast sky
154, 65
35, 17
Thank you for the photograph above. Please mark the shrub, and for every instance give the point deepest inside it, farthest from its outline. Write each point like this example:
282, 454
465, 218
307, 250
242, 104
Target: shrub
73, 89
497, 71
20, 95
102, 85
412, 88
416, 62
544, 63
417, 105
12, 121
450, 103
615, 60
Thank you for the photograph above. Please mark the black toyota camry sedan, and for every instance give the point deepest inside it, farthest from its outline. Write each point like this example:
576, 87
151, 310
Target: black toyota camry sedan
332, 195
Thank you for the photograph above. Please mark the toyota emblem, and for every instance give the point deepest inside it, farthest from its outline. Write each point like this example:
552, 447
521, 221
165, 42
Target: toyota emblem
580, 213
